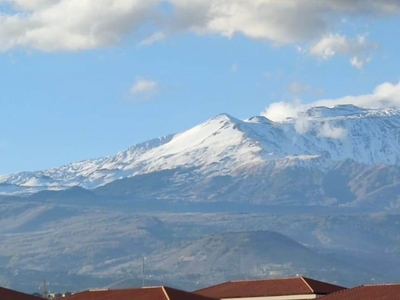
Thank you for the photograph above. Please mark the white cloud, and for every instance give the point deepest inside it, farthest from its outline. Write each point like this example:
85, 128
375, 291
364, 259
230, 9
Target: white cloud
302, 125
279, 111
282, 110
73, 25
29, 5
333, 44
336, 44
144, 88
333, 132
154, 38
359, 62
383, 96
275, 20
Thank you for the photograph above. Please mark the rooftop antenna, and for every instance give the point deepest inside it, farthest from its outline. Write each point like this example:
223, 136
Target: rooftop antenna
241, 271
44, 289
143, 259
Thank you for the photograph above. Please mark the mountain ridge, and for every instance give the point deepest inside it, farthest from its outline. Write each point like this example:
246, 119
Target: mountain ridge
225, 145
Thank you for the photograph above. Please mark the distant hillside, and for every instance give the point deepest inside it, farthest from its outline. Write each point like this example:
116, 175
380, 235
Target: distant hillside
256, 254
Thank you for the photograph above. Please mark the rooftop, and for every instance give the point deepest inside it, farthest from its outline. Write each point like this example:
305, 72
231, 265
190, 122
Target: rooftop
8, 294
368, 292
145, 293
269, 287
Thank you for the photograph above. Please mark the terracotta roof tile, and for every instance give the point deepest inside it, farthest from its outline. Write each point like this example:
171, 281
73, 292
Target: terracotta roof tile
146, 293
175, 294
7, 294
368, 292
269, 287
322, 288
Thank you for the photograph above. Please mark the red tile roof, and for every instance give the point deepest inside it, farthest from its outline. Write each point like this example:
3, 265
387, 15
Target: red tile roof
269, 287
368, 292
6, 294
146, 293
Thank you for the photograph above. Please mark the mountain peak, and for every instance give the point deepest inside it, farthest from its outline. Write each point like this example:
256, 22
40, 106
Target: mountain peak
154, 143
334, 111
225, 117
224, 145
259, 119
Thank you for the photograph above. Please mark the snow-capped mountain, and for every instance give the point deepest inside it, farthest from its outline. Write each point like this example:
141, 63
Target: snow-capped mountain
320, 138
324, 179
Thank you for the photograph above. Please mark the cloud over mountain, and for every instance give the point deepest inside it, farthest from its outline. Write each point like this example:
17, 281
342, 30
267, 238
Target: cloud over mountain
383, 96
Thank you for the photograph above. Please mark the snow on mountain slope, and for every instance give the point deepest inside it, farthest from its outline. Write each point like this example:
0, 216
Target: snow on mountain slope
320, 137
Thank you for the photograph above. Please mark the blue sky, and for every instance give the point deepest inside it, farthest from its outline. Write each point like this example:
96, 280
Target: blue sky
83, 79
